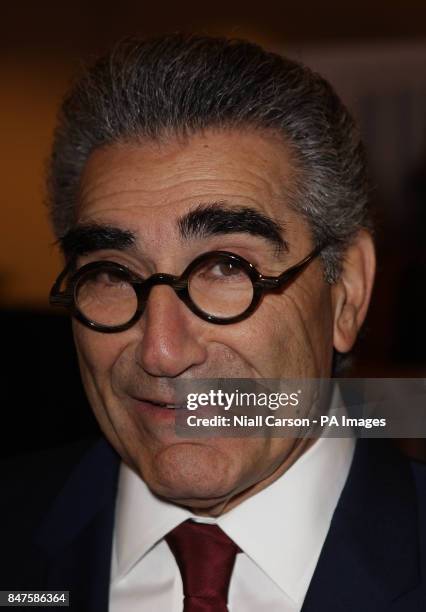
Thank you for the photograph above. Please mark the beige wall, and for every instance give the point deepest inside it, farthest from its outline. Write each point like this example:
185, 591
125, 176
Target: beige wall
30, 91
31, 87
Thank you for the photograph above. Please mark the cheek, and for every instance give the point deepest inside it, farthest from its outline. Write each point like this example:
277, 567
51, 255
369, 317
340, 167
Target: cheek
311, 329
288, 336
97, 354
257, 343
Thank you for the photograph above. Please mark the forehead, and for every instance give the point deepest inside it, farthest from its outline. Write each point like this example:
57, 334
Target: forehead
124, 183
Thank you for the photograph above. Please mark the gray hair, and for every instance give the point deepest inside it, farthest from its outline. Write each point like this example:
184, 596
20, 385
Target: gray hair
178, 85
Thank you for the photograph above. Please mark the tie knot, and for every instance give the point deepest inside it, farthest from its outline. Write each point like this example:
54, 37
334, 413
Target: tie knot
205, 556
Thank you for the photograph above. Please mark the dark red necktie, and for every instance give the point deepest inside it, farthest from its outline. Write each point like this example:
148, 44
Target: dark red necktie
205, 556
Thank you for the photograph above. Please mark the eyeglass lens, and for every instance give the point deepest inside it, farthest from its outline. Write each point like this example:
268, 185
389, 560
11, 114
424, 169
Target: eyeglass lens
221, 288
218, 287
106, 297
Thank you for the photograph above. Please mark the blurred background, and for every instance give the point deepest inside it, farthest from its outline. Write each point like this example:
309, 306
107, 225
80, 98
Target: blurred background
375, 56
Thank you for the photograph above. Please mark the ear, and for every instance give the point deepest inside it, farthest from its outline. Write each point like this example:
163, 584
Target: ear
351, 293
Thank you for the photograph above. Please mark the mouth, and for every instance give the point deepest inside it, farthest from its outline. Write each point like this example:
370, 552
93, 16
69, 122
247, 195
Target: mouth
160, 405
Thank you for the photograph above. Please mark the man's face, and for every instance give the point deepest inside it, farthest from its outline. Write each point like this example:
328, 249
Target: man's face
146, 189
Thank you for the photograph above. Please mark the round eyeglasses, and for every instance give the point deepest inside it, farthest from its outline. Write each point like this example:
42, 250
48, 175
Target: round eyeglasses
219, 287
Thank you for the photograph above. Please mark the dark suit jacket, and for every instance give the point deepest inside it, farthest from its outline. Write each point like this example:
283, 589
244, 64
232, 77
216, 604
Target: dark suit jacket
57, 522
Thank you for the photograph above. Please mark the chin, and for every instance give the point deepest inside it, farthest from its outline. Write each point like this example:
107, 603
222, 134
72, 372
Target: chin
190, 474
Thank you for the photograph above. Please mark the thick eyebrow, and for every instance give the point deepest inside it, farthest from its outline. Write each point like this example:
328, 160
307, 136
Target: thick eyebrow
218, 218
87, 238
203, 221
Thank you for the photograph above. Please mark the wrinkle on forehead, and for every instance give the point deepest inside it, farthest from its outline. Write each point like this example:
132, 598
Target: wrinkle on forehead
242, 162
196, 196
155, 183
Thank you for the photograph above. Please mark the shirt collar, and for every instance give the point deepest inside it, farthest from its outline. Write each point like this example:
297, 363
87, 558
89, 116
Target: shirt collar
142, 519
282, 528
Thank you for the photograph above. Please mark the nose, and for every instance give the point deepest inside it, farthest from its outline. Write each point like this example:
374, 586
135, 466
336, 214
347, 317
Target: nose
170, 342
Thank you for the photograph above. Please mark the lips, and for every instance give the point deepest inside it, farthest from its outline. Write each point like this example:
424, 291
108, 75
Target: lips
160, 404
167, 406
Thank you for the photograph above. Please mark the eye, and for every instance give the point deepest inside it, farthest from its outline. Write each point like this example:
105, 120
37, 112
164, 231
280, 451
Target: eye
107, 278
226, 269
222, 271
104, 282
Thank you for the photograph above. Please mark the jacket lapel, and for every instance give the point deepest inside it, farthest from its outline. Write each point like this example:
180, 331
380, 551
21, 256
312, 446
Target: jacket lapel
370, 557
76, 535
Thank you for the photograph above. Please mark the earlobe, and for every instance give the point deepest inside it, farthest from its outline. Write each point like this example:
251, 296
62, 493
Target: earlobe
351, 293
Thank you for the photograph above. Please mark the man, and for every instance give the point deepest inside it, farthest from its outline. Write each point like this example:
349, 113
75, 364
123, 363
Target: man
192, 161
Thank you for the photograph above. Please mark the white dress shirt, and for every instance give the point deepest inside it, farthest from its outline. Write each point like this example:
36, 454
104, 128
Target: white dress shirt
280, 530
